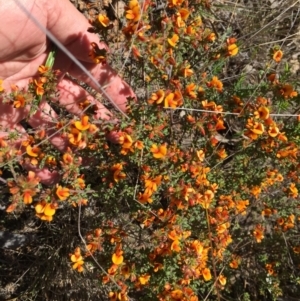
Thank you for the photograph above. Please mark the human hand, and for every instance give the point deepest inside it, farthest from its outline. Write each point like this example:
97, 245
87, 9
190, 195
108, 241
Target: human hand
24, 48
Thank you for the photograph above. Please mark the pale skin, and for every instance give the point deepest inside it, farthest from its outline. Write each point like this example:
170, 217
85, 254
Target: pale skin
23, 48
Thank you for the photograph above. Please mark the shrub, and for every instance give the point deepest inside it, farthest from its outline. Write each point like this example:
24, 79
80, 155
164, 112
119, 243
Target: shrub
198, 199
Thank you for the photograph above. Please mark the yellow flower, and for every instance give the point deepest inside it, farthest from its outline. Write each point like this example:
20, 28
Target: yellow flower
62, 193
173, 41
134, 12
45, 211
206, 274
184, 13
82, 125
222, 279
118, 258
78, 260
104, 20
19, 101
1, 88
175, 246
145, 198
27, 196
117, 170
232, 50
273, 130
177, 294
159, 152
262, 113
32, 151
215, 83
200, 155
258, 233
157, 97
144, 279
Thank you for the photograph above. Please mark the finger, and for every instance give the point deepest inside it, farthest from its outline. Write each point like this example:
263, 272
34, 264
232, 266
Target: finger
46, 118
46, 176
71, 96
11, 116
115, 87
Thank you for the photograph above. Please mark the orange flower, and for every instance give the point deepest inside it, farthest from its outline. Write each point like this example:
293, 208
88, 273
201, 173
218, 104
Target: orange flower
241, 206
190, 90
27, 196
45, 211
174, 40
139, 144
273, 130
144, 279
184, 13
173, 100
177, 294
117, 257
125, 140
262, 113
221, 152
67, 158
277, 56
256, 190
255, 128
104, 20
82, 125
187, 71
134, 12
49, 210
39, 86
144, 198
19, 101
215, 83
293, 190
78, 260
258, 233
43, 69
62, 193
1, 88
296, 249
234, 264
206, 274
200, 155
152, 184
32, 151
75, 137
170, 101
159, 152
118, 174
157, 97
222, 279
287, 91
232, 50
113, 296
175, 246
211, 37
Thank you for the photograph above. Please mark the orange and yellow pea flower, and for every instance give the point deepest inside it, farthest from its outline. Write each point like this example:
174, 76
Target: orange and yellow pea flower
62, 192
174, 40
277, 56
117, 257
77, 260
83, 124
134, 12
159, 151
45, 211
103, 20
